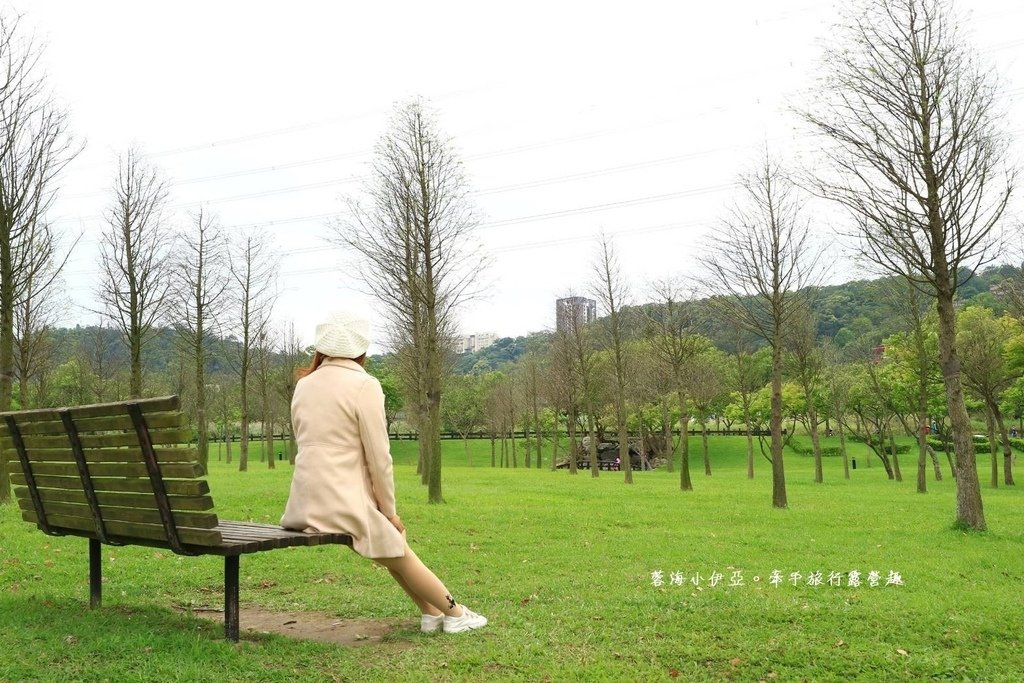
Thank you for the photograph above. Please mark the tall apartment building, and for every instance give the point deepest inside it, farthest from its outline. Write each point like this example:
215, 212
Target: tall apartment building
574, 308
474, 342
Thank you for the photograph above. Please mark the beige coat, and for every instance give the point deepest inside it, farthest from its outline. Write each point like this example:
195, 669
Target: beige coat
343, 479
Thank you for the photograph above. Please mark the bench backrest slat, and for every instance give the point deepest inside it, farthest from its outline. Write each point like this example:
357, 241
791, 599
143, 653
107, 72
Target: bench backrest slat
131, 476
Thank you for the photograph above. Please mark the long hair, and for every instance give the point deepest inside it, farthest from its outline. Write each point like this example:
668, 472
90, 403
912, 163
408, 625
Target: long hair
319, 358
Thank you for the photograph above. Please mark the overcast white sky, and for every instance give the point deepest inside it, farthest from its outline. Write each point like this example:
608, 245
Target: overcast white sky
633, 118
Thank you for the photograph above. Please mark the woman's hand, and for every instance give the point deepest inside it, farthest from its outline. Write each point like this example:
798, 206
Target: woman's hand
396, 521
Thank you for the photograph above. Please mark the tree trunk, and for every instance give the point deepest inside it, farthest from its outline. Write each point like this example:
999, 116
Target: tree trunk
135, 344
555, 439
935, 463
528, 428
1007, 450
243, 442
778, 472
685, 484
570, 418
465, 448
842, 447
922, 454
434, 437
970, 513
202, 424
666, 429
493, 451
895, 456
704, 445
812, 416
880, 450
750, 438
268, 437
993, 447
625, 462
592, 446
537, 434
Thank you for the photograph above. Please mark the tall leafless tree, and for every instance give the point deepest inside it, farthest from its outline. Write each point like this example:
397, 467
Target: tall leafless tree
38, 308
919, 151
253, 268
293, 356
415, 237
34, 148
135, 268
675, 340
805, 354
580, 346
198, 305
612, 291
761, 258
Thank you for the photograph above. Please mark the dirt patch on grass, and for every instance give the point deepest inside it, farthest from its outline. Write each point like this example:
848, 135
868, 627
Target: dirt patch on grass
322, 627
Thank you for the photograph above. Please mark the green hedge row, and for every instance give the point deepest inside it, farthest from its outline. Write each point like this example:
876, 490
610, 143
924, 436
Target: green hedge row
807, 449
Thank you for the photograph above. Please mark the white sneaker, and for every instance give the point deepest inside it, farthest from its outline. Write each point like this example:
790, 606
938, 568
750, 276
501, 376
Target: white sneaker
430, 623
468, 621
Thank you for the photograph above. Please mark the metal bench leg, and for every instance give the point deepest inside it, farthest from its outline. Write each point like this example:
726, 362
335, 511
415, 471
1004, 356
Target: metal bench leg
231, 598
95, 574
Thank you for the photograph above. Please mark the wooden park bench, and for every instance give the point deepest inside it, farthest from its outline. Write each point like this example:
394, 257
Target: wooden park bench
124, 474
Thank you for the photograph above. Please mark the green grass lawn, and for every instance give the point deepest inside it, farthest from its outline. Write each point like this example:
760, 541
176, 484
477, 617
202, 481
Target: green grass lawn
562, 566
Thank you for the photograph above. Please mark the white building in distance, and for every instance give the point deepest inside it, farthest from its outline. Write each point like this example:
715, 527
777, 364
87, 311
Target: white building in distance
471, 343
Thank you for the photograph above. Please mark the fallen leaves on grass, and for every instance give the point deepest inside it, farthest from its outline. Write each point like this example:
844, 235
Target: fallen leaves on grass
735, 661
267, 583
840, 642
903, 652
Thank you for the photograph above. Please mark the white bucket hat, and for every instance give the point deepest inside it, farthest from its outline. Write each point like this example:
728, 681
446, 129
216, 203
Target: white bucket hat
345, 334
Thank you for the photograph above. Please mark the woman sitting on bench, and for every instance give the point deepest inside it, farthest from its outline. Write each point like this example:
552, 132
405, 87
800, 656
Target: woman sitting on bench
343, 479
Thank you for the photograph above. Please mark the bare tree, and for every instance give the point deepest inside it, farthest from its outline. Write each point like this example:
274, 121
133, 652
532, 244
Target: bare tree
563, 384
580, 347
705, 379
749, 376
38, 308
293, 355
612, 292
415, 240
983, 338
802, 338
254, 293
673, 333
197, 306
910, 306
919, 152
263, 374
760, 259
134, 265
34, 148
530, 366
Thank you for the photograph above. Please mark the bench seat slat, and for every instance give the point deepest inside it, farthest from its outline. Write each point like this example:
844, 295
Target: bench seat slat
203, 537
142, 500
101, 470
182, 487
121, 422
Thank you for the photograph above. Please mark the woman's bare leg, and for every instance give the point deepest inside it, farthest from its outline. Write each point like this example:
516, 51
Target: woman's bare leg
425, 607
420, 583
